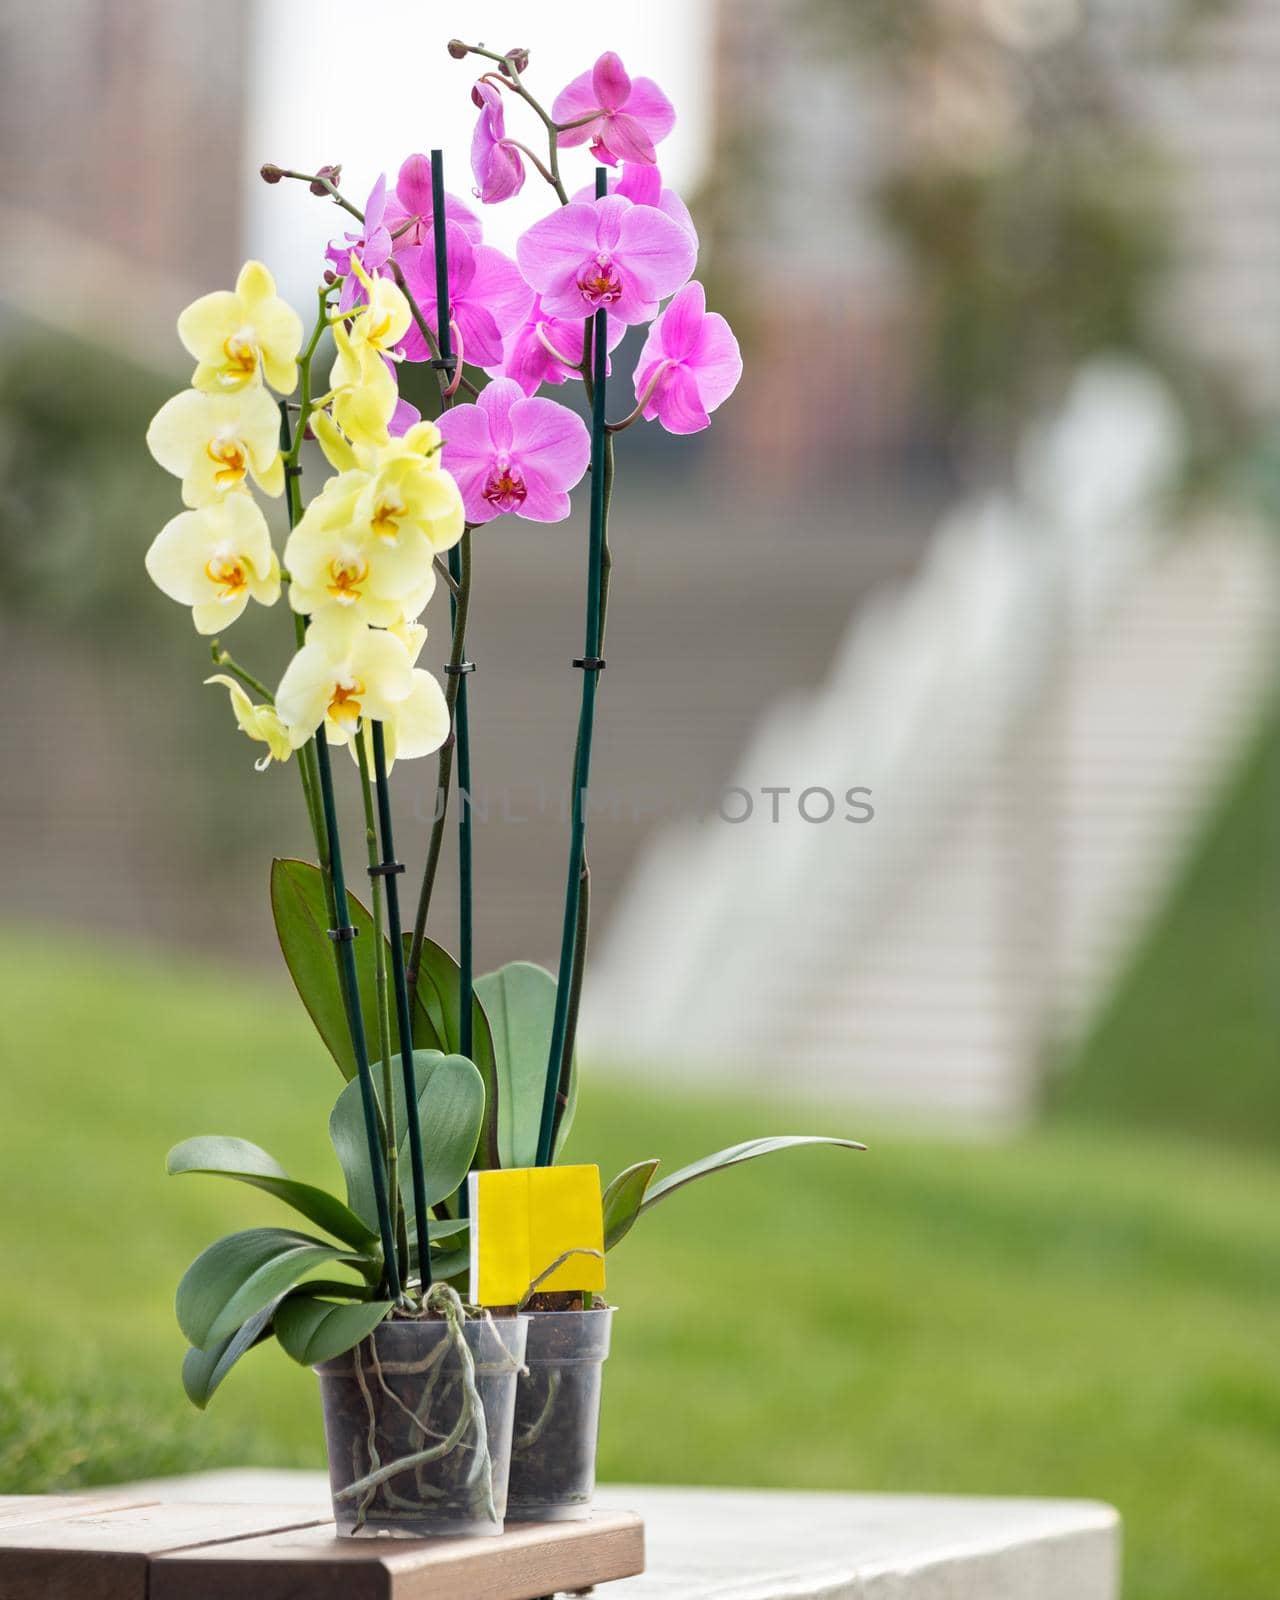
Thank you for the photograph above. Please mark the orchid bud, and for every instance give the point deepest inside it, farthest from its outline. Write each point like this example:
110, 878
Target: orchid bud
519, 59
330, 276
270, 173
334, 175
458, 50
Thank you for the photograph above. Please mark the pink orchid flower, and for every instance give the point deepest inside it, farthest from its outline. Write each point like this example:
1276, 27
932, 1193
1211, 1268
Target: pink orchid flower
547, 349
495, 160
510, 453
412, 198
605, 253
626, 117
690, 364
488, 297
642, 185
371, 246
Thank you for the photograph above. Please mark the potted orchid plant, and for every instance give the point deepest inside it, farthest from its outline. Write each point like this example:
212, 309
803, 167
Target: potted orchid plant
441, 1416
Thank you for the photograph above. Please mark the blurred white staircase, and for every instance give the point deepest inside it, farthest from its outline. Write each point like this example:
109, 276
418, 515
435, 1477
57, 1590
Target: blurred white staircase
1043, 716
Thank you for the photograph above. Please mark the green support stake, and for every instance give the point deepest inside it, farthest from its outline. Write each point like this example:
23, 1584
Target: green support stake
344, 934
390, 868
462, 721
591, 666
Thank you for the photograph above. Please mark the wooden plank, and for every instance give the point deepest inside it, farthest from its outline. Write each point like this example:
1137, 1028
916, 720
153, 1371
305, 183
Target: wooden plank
78, 1550
526, 1562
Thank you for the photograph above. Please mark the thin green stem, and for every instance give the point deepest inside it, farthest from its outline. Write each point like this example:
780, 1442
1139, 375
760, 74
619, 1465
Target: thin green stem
391, 1135
423, 326
327, 185
515, 83
404, 1015
444, 769
222, 658
344, 935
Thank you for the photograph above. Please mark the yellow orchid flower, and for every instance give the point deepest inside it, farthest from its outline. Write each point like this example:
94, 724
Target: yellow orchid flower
364, 390
235, 335
338, 560
259, 722
382, 322
346, 673
215, 560
214, 441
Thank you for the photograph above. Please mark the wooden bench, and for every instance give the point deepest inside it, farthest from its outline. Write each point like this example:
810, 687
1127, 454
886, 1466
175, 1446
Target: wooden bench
257, 1535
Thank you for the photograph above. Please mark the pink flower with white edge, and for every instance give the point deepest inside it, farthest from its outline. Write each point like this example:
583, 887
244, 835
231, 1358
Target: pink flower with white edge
495, 161
690, 364
624, 118
605, 254
488, 297
547, 349
510, 453
642, 185
412, 198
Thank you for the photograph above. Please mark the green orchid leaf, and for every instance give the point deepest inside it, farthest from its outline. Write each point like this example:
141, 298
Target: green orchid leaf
451, 1107
623, 1199
204, 1370
450, 1266
312, 1330
734, 1156
236, 1277
520, 1001
302, 927
437, 1026
247, 1163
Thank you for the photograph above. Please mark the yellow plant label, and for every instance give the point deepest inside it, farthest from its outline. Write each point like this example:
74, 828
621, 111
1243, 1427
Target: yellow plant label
523, 1220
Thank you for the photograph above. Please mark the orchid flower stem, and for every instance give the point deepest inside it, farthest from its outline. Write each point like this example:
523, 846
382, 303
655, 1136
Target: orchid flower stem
307, 773
642, 402
390, 1133
460, 569
344, 937
424, 328
511, 80
329, 845
444, 765
525, 151
404, 1014
442, 571
566, 999
337, 197
456, 688
222, 659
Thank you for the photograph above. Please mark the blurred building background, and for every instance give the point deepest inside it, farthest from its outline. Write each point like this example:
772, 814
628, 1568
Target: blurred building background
978, 533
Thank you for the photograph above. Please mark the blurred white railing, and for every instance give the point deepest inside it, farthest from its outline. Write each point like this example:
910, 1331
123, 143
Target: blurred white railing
1043, 715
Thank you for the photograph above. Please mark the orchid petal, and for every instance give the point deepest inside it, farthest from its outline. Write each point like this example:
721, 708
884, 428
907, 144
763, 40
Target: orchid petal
552, 439
680, 324
648, 105
627, 139
717, 361
576, 100
677, 404
609, 81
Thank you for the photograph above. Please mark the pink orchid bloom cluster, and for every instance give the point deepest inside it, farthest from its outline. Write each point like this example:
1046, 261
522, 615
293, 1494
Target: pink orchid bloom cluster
524, 322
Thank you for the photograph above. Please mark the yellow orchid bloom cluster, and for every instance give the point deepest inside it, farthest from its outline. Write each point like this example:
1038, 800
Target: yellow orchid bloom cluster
361, 558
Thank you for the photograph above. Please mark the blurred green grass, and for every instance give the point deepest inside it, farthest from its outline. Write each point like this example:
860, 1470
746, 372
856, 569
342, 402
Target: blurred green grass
1082, 1312
1192, 1040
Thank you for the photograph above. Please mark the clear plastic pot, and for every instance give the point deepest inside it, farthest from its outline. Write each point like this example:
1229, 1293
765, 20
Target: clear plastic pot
418, 1445
553, 1449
